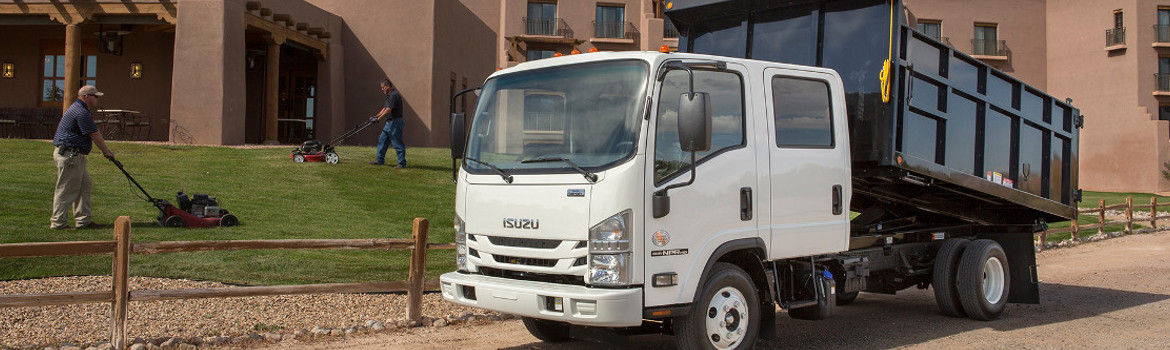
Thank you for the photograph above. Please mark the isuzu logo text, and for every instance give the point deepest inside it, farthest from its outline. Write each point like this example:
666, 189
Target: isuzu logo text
530, 224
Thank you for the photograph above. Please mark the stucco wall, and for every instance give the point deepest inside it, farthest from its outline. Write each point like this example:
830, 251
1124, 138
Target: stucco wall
209, 103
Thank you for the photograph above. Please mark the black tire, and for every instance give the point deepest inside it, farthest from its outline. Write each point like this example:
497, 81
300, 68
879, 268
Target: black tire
984, 280
547, 331
825, 304
228, 220
846, 298
726, 285
332, 158
175, 221
946, 266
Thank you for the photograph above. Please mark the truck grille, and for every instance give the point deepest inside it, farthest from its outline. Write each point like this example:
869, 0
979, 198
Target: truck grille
524, 242
525, 261
531, 276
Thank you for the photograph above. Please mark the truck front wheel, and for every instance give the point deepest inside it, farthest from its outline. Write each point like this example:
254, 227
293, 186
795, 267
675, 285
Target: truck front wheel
983, 280
547, 331
725, 316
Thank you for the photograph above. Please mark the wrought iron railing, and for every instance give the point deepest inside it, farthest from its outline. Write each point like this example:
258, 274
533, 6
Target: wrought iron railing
668, 29
1162, 33
1114, 37
986, 47
546, 26
1162, 81
613, 30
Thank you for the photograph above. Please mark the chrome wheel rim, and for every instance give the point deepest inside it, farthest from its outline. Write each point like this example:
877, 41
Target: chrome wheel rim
331, 158
726, 318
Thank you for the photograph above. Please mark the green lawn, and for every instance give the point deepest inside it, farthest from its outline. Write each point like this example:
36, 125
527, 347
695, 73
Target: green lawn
273, 197
1093, 200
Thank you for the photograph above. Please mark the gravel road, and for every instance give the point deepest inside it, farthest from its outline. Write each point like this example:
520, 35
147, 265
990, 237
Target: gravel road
1112, 294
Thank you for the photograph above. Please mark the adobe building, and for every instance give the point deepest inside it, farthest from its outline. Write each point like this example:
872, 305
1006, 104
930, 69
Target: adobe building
1112, 58
229, 72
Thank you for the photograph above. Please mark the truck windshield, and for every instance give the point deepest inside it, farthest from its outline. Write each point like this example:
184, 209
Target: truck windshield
587, 114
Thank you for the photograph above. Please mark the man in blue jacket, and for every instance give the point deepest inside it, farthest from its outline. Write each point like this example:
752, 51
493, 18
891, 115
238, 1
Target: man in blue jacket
75, 137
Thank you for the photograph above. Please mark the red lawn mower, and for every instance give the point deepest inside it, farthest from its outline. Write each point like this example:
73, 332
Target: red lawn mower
314, 151
199, 210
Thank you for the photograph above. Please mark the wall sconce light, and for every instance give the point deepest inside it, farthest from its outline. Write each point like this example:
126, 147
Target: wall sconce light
9, 70
136, 70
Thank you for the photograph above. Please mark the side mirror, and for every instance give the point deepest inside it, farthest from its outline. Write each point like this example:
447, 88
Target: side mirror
458, 134
694, 122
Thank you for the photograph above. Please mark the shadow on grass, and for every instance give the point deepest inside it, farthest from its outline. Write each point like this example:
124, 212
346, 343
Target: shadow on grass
912, 318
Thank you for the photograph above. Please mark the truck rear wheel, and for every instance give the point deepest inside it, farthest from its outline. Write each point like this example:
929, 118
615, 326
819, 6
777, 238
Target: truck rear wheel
983, 280
946, 266
547, 331
725, 316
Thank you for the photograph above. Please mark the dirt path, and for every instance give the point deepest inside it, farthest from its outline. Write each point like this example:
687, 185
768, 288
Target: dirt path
1109, 294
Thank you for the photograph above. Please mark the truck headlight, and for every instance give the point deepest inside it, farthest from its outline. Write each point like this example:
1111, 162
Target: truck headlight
610, 251
460, 245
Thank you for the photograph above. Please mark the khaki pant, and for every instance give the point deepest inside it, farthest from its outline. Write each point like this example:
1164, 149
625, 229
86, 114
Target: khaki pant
73, 186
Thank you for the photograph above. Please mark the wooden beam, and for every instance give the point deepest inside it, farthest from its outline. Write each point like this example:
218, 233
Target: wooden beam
26, 300
252, 5
284, 17
262, 24
25, 250
121, 276
66, 12
301, 27
234, 292
318, 31
199, 246
265, 12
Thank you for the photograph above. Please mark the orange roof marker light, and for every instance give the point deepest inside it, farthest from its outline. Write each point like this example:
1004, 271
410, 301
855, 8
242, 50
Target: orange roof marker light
574, 52
558, 54
592, 49
664, 49
669, 5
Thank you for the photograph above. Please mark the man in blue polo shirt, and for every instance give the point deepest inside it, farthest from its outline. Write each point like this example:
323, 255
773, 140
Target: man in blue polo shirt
75, 137
392, 132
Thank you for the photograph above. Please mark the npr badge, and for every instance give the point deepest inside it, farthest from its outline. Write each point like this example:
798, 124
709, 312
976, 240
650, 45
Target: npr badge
661, 238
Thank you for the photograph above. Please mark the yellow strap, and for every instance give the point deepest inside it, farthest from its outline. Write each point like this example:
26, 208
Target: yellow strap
885, 74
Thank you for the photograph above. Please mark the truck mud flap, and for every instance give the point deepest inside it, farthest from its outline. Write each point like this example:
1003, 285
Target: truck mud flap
1021, 254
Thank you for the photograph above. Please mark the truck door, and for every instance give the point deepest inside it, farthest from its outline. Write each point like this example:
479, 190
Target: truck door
708, 212
809, 163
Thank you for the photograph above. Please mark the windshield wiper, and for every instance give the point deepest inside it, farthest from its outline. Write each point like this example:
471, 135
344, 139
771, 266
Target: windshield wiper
588, 175
507, 178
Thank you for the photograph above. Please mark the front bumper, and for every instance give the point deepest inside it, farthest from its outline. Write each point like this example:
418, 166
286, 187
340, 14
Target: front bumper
581, 305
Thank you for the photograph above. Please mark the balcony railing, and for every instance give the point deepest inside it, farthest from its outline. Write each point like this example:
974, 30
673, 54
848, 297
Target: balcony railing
1114, 37
613, 30
1162, 81
546, 26
985, 47
1162, 33
669, 30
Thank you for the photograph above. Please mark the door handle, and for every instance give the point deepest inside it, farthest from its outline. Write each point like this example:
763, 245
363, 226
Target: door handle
745, 203
837, 200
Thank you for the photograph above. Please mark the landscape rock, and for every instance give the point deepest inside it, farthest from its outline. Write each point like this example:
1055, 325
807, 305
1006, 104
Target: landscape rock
377, 327
272, 337
442, 322
186, 346
138, 346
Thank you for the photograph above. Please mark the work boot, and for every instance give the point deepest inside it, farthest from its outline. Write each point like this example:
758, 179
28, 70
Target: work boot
91, 225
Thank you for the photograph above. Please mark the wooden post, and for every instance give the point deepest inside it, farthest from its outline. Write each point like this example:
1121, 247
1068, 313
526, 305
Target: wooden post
1101, 217
1075, 226
121, 283
1128, 215
1154, 212
418, 269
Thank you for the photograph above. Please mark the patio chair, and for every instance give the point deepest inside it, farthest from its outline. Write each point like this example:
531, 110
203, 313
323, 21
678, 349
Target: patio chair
7, 124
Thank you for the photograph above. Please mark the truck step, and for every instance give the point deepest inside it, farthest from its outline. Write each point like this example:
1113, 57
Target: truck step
802, 303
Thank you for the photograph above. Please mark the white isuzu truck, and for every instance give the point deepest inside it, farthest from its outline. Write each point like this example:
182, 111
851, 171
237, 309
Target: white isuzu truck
693, 193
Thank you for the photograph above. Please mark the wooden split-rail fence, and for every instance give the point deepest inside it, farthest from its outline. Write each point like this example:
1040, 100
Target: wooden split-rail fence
1128, 220
121, 248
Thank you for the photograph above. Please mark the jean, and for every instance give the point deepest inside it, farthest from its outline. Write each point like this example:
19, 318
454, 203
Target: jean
392, 136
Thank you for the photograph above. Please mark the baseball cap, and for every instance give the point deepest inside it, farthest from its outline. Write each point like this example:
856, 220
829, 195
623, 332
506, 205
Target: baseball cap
89, 90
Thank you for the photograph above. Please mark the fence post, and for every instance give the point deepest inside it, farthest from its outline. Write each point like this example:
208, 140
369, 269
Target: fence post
121, 270
1075, 226
1101, 216
418, 269
1154, 212
1128, 215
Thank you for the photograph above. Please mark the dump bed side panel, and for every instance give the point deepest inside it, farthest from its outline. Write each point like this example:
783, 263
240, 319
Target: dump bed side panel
956, 138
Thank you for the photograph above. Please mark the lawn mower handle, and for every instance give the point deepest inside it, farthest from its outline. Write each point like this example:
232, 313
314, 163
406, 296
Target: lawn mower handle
337, 141
119, 165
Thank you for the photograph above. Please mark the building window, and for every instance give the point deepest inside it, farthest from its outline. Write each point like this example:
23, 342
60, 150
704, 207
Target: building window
668, 29
544, 112
1163, 27
1163, 76
542, 18
930, 27
539, 54
985, 42
1116, 36
53, 76
611, 22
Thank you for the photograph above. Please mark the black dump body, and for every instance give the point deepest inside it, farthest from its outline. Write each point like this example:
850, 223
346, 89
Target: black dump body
958, 141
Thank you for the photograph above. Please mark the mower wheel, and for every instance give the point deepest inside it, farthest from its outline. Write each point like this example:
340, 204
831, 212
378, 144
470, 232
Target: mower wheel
228, 220
175, 221
331, 158
299, 158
